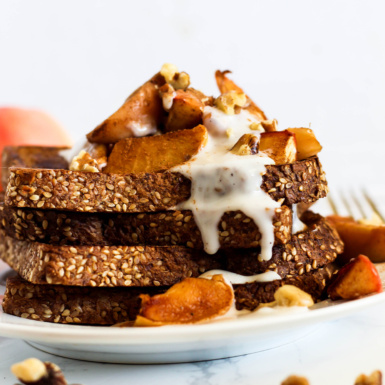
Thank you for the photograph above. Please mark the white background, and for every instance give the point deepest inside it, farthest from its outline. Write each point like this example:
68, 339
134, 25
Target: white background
302, 61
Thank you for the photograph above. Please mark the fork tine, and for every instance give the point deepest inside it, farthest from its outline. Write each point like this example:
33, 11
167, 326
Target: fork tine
337, 205
351, 206
362, 202
376, 208
351, 202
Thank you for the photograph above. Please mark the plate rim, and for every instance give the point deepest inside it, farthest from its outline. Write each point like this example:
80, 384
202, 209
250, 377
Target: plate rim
96, 335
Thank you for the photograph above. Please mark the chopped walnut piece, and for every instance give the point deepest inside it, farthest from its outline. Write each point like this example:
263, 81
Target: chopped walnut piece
288, 295
295, 380
84, 162
178, 80
256, 126
373, 379
34, 372
247, 145
270, 125
228, 101
168, 71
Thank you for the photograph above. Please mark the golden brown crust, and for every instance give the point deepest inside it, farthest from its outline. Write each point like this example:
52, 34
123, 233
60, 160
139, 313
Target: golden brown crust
302, 181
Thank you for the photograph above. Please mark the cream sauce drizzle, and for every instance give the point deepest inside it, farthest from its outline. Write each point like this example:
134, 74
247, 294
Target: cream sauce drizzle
237, 279
222, 181
297, 225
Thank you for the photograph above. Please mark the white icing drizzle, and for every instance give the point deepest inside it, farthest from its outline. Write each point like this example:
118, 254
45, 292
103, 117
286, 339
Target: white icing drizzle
168, 100
237, 279
139, 129
297, 225
222, 181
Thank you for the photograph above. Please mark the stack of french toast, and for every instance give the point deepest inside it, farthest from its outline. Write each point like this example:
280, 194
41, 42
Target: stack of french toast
175, 185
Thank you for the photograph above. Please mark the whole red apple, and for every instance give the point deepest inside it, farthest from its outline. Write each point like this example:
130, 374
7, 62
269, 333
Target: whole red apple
20, 126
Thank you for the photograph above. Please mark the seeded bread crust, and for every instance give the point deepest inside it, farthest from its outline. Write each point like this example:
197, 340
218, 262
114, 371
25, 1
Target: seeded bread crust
308, 250
107, 306
250, 295
164, 265
158, 229
31, 156
302, 181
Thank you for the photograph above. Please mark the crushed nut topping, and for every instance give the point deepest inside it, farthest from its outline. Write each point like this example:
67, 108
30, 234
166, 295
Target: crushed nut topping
256, 126
178, 80
36, 372
247, 145
229, 100
84, 162
288, 295
168, 71
270, 125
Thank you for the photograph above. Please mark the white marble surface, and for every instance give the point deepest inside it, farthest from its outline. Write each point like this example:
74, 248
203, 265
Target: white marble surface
334, 354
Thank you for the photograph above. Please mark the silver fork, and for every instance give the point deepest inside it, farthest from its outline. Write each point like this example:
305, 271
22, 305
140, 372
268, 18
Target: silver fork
357, 203
360, 204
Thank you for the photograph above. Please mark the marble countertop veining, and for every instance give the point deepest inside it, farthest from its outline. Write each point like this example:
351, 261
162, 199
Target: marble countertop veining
335, 353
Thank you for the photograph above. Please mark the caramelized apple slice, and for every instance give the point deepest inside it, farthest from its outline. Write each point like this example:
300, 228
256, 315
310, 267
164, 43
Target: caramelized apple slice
190, 301
359, 238
140, 115
357, 278
156, 153
307, 143
226, 85
186, 111
279, 145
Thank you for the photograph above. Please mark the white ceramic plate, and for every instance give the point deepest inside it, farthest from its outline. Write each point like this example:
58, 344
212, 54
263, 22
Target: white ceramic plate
184, 343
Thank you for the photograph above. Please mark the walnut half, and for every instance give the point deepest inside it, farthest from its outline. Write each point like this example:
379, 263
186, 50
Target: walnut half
248, 144
34, 372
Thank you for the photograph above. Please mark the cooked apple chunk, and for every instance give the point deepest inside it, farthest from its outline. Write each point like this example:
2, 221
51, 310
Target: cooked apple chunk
186, 111
226, 85
140, 115
190, 301
357, 278
279, 146
307, 143
156, 153
359, 238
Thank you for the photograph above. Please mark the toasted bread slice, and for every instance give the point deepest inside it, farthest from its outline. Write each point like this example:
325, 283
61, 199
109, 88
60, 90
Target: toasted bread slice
164, 265
108, 306
144, 192
31, 157
156, 153
158, 229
